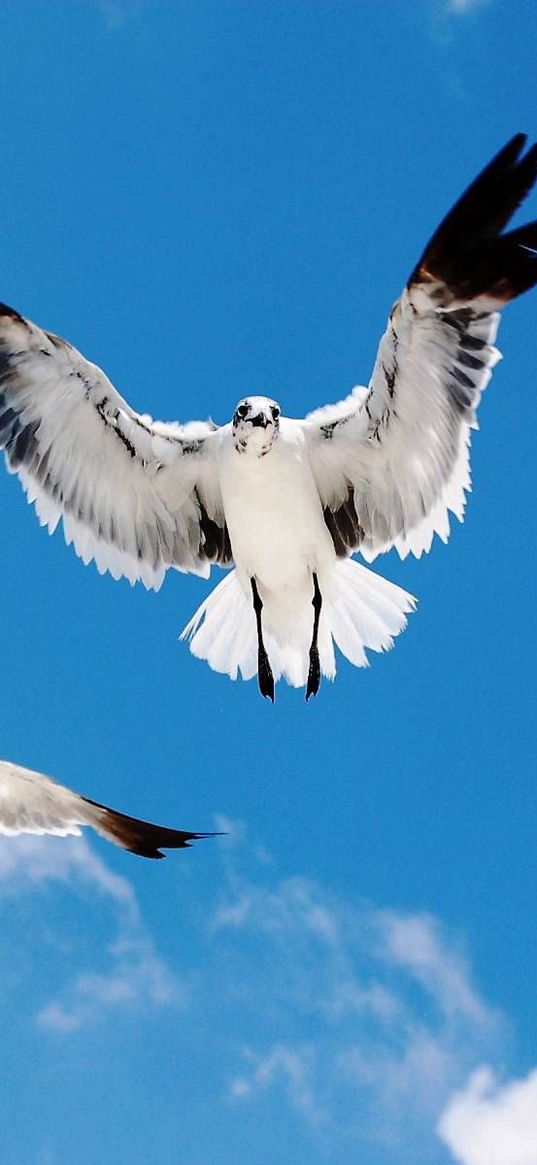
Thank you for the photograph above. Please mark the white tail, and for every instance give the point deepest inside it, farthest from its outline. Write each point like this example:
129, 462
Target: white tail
360, 610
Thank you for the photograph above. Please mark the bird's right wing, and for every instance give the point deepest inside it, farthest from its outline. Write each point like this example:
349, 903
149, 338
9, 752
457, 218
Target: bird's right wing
392, 461
135, 495
32, 803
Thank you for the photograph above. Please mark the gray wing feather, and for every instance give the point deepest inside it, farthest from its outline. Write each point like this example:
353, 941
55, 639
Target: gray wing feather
135, 495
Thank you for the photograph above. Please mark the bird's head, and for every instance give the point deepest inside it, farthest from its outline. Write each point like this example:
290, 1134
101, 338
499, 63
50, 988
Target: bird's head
256, 424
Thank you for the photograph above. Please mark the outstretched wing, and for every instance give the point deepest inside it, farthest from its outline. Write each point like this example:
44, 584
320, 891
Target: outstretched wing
32, 803
392, 460
134, 494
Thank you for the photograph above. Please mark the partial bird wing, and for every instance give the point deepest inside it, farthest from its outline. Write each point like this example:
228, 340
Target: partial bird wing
135, 495
32, 803
392, 460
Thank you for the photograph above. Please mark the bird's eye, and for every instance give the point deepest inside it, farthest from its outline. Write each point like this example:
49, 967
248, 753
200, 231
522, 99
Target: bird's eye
242, 411
275, 412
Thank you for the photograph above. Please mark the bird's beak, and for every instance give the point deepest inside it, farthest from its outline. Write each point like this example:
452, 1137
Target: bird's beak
260, 421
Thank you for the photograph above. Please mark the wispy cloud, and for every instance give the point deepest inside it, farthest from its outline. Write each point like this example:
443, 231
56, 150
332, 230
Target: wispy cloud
117, 13
447, 21
136, 977
291, 1067
419, 944
29, 860
488, 1123
364, 1020
462, 7
386, 1000
132, 975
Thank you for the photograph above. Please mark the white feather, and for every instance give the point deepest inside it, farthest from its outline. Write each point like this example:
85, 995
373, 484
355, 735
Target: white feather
364, 611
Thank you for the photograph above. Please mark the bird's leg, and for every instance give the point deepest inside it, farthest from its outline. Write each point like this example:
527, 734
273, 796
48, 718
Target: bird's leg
314, 674
264, 671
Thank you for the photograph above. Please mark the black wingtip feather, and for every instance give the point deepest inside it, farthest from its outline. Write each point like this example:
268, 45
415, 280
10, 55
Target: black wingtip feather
143, 837
468, 253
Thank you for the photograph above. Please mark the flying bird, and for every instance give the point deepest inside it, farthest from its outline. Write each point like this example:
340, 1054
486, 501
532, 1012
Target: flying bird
287, 502
32, 803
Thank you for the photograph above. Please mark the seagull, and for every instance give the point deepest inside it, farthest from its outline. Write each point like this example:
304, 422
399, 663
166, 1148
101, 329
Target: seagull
284, 501
33, 803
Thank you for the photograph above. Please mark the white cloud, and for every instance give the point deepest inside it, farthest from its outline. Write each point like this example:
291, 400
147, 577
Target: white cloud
30, 859
417, 943
488, 1123
133, 974
291, 1066
363, 1020
392, 1019
136, 976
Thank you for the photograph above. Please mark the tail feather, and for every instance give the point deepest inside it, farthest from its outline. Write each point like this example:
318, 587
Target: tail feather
345, 636
244, 655
376, 608
222, 631
361, 610
366, 612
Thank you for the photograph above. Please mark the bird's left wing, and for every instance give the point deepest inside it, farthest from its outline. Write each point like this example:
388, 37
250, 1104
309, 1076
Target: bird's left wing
32, 803
135, 495
392, 460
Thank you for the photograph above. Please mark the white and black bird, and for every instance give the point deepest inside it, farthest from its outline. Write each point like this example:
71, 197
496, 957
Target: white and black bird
287, 502
33, 803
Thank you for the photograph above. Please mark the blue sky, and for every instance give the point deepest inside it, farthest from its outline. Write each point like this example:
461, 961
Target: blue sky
211, 199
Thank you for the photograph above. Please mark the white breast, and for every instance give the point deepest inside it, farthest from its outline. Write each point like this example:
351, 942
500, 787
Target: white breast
273, 511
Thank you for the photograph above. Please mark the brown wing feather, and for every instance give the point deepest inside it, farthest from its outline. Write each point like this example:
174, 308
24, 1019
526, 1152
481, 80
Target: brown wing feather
468, 253
141, 837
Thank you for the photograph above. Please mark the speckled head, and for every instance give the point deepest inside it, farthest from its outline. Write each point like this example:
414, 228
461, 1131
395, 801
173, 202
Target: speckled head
256, 425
